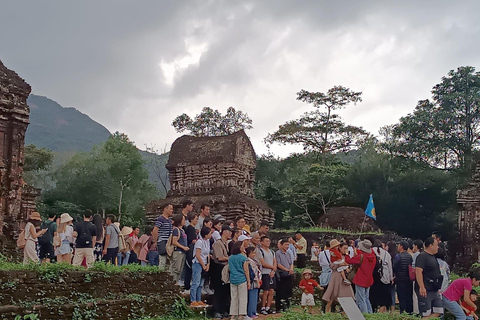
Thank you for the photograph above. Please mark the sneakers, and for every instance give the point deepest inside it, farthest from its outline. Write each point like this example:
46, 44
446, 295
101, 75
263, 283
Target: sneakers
202, 304
204, 291
347, 282
194, 304
246, 318
186, 292
209, 291
271, 311
264, 312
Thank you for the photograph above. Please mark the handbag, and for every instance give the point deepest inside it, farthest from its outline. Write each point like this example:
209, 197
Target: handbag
354, 271
169, 247
57, 241
411, 273
161, 246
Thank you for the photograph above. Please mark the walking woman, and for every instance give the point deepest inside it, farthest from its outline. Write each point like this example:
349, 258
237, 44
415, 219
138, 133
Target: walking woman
31, 237
239, 282
65, 231
201, 264
179, 240
98, 222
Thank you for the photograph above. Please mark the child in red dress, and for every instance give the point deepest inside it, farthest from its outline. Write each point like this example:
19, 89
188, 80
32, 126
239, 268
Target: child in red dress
337, 256
469, 310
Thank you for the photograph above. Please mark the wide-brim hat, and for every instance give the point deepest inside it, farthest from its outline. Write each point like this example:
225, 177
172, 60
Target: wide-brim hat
117, 224
334, 243
219, 217
244, 237
65, 217
365, 246
126, 231
307, 271
35, 216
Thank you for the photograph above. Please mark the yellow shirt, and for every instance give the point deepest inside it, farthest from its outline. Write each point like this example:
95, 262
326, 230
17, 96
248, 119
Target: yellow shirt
302, 243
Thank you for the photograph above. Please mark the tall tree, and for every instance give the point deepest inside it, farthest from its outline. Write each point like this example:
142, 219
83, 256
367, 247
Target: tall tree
443, 132
212, 123
37, 166
322, 131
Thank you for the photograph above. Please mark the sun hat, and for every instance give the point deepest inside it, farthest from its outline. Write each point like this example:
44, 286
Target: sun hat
307, 271
65, 217
244, 237
365, 246
35, 216
334, 243
117, 224
219, 217
126, 231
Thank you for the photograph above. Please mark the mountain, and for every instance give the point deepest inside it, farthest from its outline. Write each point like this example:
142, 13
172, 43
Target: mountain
67, 130
61, 129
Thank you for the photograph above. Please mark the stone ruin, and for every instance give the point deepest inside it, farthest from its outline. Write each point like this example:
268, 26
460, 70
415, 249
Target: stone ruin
468, 200
348, 219
16, 199
219, 171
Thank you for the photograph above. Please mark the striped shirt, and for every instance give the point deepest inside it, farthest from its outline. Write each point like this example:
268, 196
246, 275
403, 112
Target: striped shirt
165, 227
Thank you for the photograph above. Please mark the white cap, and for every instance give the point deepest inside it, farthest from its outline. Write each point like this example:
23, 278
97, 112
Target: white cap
244, 237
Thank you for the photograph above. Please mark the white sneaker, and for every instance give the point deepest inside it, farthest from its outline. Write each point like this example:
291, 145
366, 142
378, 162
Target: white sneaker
210, 291
204, 291
181, 283
186, 292
247, 318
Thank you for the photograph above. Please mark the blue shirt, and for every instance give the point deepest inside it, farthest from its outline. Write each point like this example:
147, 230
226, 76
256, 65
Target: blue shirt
237, 274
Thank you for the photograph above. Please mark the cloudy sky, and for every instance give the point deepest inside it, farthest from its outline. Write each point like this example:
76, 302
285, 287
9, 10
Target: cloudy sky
135, 65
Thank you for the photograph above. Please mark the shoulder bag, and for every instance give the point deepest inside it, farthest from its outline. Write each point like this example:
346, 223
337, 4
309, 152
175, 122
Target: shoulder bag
354, 271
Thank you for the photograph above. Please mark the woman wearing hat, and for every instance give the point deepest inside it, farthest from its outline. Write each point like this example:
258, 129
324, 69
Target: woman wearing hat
31, 237
126, 232
65, 231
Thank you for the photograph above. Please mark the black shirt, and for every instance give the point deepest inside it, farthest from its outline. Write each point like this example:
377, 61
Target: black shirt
191, 234
431, 269
86, 230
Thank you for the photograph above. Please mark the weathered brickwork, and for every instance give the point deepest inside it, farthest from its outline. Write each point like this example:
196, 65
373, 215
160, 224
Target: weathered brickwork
219, 171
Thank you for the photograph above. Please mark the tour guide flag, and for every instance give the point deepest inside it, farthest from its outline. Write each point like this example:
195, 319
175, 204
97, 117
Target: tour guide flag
370, 211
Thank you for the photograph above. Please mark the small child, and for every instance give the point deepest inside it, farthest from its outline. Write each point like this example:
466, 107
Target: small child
337, 252
469, 310
307, 285
315, 251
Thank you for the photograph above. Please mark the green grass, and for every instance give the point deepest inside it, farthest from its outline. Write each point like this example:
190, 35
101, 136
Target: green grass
325, 230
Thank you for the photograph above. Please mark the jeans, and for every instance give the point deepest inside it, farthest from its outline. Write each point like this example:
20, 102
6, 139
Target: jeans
152, 257
144, 263
252, 302
455, 309
119, 259
405, 296
197, 283
362, 297
125, 260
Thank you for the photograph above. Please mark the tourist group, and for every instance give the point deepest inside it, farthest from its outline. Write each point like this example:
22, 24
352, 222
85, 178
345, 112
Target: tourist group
225, 259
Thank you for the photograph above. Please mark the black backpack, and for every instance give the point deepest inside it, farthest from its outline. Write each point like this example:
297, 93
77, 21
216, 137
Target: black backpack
84, 237
378, 270
47, 237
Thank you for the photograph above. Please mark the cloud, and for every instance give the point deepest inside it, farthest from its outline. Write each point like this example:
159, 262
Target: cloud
134, 66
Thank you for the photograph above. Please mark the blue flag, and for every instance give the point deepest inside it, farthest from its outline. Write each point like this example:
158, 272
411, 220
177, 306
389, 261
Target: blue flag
370, 211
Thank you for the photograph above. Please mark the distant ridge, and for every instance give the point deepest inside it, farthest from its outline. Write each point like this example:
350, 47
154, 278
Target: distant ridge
61, 129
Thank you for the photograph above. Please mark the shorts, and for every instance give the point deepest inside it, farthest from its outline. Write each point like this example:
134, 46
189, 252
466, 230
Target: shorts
46, 251
432, 302
266, 285
307, 300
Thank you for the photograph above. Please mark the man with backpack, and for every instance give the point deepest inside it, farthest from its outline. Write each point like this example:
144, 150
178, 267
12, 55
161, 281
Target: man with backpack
46, 240
402, 263
112, 234
86, 235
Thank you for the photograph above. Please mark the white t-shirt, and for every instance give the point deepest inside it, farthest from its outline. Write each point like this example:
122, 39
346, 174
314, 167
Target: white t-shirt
314, 251
216, 235
67, 235
204, 246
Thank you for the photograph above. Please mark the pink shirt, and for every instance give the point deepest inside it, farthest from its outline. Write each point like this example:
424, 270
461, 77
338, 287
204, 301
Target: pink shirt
455, 291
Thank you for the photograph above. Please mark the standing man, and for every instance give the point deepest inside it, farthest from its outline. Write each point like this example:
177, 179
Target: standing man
438, 238
46, 240
86, 234
221, 295
301, 247
204, 212
110, 250
162, 231
241, 223
187, 207
264, 228
285, 269
269, 267
429, 281
401, 264
363, 280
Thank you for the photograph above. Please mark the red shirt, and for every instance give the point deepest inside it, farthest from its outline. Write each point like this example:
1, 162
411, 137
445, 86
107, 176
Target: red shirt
364, 276
335, 255
471, 310
308, 284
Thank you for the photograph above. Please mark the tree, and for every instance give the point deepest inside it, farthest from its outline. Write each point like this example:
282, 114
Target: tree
322, 131
443, 132
37, 166
212, 123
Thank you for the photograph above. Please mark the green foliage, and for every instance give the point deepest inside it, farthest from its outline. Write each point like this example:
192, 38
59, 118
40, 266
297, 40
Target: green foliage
31, 316
37, 158
299, 315
212, 123
320, 131
444, 132
181, 309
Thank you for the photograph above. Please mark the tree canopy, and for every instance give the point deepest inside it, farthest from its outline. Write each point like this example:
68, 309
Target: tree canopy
211, 122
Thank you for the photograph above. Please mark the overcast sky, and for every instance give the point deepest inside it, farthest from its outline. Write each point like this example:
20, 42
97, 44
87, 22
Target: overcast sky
135, 65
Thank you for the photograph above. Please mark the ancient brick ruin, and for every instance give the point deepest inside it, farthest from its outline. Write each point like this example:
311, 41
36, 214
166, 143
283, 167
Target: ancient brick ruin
14, 114
219, 171
468, 200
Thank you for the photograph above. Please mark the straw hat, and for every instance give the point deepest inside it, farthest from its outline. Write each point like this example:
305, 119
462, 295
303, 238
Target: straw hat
334, 243
307, 271
117, 224
35, 216
65, 217
126, 231
365, 246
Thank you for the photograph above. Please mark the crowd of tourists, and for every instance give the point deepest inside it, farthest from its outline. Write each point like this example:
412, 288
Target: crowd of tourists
225, 259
